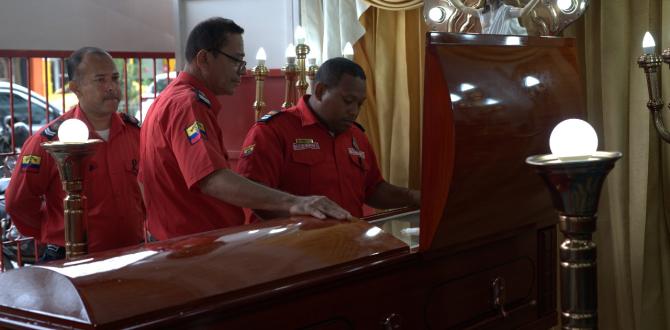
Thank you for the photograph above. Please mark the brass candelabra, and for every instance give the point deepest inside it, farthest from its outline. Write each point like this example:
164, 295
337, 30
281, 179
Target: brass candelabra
651, 64
70, 159
301, 50
291, 74
260, 71
311, 73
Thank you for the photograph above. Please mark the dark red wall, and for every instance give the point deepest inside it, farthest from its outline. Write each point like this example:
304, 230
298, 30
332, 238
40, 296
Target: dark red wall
237, 113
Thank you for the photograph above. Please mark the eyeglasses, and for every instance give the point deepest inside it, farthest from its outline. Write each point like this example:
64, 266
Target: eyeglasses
242, 65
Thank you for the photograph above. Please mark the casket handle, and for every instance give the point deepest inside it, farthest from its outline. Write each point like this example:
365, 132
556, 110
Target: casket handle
392, 322
498, 287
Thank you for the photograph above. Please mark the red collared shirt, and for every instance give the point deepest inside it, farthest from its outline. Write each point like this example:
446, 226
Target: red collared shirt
292, 151
114, 203
181, 143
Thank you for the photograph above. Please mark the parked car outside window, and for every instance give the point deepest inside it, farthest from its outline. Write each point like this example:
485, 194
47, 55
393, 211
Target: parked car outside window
58, 95
154, 90
38, 109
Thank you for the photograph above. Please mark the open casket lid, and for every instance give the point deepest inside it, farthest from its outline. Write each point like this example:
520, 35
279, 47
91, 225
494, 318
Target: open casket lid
490, 101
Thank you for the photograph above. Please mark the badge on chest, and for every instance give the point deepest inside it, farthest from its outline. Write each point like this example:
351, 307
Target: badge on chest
304, 144
357, 153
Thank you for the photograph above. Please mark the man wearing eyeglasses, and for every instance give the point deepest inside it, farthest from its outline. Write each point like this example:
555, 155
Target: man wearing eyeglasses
188, 184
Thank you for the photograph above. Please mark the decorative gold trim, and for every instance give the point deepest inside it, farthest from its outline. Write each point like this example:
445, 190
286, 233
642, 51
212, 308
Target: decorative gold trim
395, 4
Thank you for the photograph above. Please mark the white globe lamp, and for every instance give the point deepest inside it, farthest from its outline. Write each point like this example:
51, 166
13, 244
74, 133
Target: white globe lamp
573, 139
73, 131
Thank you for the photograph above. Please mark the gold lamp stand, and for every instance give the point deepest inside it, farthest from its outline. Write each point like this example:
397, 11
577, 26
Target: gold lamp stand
260, 72
291, 74
575, 189
311, 73
70, 161
301, 51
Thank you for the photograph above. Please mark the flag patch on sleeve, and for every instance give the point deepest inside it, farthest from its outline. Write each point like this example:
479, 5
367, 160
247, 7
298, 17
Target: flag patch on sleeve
31, 163
248, 150
196, 132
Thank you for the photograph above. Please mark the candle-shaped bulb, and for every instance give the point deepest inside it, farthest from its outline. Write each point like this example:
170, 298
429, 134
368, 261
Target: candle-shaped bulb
290, 54
261, 56
648, 43
348, 51
300, 35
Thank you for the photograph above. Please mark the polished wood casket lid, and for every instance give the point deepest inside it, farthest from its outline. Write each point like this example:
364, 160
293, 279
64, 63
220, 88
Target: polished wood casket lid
229, 266
490, 101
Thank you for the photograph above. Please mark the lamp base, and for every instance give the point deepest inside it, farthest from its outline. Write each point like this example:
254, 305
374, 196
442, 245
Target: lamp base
575, 187
70, 160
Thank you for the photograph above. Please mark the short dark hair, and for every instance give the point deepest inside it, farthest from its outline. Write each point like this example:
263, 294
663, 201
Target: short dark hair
210, 34
78, 56
331, 71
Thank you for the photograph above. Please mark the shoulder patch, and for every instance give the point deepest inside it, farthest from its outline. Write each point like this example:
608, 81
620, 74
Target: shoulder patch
195, 132
200, 96
271, 114
52, 130
359, 126
31, 163
130, 119
248, 150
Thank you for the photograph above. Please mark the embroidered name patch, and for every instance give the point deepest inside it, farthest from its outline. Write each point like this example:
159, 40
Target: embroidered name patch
248, 150
303, 144
196, 132
358, 153
31, 163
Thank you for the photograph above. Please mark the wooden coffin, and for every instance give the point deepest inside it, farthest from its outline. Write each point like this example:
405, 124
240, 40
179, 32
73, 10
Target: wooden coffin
486, 252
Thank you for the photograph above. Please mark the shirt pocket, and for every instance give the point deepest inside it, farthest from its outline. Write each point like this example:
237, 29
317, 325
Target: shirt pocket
305, 173
309, 157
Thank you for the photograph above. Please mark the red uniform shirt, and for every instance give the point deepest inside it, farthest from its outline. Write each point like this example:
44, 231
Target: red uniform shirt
292, 151
181, 143
114, 203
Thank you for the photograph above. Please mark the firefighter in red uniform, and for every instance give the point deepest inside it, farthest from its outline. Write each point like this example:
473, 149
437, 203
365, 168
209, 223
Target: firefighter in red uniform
188, 184
115, 210
317, 147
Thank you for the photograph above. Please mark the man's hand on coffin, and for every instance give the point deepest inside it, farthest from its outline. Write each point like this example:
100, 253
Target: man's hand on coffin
318, 207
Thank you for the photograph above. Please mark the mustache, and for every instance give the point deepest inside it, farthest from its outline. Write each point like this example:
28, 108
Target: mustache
112, 97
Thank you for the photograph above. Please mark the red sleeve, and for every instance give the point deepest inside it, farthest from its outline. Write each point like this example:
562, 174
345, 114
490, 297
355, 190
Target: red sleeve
196, 142
262, 155
373, 177
25, 195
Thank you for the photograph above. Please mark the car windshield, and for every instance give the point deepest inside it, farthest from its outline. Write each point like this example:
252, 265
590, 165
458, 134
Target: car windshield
38, 109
